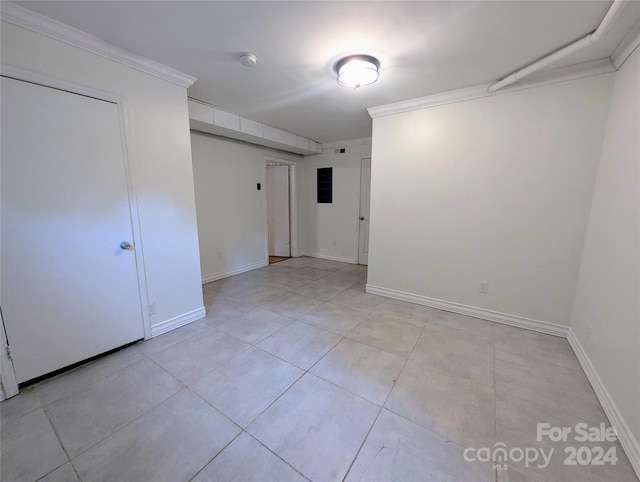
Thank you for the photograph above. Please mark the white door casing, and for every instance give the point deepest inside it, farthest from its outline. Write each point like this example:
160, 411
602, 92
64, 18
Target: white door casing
365, 198
69, 292
7, 373
278, 216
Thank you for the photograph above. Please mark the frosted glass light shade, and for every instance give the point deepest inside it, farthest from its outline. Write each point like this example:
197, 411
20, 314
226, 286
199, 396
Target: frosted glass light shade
357, 70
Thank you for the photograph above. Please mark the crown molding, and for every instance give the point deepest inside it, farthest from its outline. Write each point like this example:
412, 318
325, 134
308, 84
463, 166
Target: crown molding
629, 44
29, 20
442, 98
563, 74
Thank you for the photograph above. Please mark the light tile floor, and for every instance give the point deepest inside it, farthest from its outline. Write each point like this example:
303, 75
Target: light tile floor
297, 374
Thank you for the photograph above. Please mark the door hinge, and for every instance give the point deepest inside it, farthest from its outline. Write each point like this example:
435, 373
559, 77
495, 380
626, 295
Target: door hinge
9, 353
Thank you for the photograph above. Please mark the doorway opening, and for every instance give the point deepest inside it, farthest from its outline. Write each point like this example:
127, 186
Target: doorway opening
281, 240
277, 259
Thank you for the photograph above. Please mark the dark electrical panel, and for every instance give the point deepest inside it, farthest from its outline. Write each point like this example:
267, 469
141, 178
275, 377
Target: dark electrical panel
325, 185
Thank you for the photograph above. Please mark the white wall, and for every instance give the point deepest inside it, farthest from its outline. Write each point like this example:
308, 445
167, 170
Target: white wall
160, 152
607, 300
232, 221
491, 190
232, 215
324, 224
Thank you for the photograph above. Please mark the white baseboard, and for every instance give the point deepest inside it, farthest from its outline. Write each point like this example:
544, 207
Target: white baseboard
177, 322
627, 440
504, 318
230, 272
330, 257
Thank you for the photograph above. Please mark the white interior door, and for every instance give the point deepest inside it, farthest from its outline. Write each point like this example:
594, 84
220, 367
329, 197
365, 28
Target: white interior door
365, 198
278, 219
69, 292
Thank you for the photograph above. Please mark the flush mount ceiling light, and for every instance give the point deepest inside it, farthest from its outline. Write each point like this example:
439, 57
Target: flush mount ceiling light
357, 70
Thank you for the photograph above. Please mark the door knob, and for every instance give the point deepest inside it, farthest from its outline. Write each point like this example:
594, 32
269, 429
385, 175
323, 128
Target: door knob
126, 246
361, 218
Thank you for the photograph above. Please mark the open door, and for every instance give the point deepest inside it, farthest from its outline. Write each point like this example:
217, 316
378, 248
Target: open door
278, 213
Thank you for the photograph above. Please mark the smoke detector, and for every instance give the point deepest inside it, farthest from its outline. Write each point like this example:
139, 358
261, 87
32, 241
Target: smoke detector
248, 59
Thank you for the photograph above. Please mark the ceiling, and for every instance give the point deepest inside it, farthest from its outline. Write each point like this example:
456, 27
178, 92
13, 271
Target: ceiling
424, 48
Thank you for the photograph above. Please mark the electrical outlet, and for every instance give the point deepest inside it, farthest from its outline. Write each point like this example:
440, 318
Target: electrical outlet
484, 287
219, 254
152, 308
334, 242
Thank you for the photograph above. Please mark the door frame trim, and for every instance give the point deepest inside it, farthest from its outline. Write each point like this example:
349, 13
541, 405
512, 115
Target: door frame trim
293, 207
360, 206
8, 382
59, 84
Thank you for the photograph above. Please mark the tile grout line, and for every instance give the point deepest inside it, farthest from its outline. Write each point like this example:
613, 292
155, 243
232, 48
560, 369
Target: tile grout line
274, 400
542, 360
182, 387
304, 372
118, 428
70, 459
437, 434
294, 292
148, 355
219, 452
433, 432
364, 441
308, 371
85, 450
36, 386
424, 332
286, 288
3, 425
560, 413
278, 456
255, 345
64, 449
